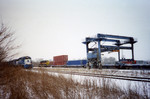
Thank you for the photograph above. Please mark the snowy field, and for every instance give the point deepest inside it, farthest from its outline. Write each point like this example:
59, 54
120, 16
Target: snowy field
52, 83
140, 87
122, 72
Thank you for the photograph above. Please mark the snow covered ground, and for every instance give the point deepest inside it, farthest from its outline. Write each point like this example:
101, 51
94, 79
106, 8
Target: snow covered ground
140, 87
121, 72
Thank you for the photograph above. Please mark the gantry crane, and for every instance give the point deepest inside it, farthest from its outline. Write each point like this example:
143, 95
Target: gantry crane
94, 54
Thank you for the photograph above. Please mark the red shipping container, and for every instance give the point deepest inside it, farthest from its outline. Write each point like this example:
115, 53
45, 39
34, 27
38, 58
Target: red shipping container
61, 58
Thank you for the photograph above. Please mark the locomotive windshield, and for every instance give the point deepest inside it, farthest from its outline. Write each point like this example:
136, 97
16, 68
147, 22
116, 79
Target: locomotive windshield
27, 61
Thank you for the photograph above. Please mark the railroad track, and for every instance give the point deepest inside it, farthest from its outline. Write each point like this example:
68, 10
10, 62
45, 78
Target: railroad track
130, 78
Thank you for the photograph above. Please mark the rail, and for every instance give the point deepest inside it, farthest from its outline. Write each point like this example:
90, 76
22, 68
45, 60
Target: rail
130, 78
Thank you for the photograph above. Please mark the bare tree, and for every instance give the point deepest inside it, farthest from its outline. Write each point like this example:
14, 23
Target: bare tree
6, 43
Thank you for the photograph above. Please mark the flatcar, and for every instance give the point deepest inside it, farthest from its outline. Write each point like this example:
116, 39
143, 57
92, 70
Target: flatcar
128, 61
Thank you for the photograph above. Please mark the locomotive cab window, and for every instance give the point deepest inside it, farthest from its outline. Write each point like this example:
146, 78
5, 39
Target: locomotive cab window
27, 61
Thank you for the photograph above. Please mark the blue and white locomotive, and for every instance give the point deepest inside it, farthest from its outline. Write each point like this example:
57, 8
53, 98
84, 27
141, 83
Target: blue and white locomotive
25, 62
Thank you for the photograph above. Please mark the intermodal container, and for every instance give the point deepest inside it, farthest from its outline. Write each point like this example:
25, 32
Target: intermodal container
76, 62
61, 58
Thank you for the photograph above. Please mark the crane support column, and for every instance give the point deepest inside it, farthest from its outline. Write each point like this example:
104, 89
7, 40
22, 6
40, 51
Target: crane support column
87, 51
132, 51
99, 55
119, 55
87, 48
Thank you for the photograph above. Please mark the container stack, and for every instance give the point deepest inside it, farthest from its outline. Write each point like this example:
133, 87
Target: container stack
60, 60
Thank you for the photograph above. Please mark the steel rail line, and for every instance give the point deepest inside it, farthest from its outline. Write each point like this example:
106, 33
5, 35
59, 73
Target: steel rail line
130, 78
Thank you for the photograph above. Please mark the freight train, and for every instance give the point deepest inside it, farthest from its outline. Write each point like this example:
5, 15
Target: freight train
69, 63
62, 61
25, 62
44, 63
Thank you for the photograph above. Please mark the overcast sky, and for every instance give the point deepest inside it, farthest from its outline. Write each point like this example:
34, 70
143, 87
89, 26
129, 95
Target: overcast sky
47, 28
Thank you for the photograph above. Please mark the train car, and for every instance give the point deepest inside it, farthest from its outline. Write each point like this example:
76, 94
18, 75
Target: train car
128, 61
77, 63
51, 63
122, 62
44, 63
25, 62
13, 62
142, 62
60, 60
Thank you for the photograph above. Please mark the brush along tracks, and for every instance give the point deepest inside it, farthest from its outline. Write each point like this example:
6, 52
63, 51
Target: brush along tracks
129, 78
